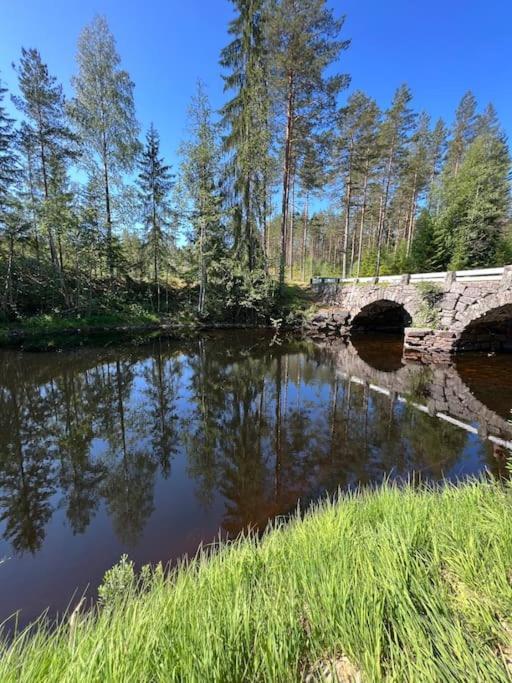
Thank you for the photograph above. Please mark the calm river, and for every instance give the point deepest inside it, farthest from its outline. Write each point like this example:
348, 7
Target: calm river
153, 449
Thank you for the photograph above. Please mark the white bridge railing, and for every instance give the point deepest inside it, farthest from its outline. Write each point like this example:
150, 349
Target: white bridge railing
424, 409
482, 275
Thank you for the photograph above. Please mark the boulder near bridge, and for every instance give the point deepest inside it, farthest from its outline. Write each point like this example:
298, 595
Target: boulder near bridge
439, 313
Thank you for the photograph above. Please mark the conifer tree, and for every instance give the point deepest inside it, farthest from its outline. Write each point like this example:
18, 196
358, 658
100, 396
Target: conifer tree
436, 158
355, 149
478, 202
46, 132
8, 160
312, 177
416, 175
200, 171
104, 114
463, 133
246, 119
422, 249
394, 135
155, 182
11, 225
304, 42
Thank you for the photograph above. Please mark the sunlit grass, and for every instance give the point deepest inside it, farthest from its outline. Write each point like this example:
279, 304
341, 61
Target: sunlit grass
406, 585
53, 324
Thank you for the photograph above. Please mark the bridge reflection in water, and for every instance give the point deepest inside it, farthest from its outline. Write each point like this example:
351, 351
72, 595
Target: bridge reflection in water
154, 449
440, 391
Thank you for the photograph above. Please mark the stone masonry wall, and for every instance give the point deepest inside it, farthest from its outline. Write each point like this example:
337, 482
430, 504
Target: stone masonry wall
465, 312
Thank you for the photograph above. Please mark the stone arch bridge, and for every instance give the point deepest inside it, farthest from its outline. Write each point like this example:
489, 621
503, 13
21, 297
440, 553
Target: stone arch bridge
440, 313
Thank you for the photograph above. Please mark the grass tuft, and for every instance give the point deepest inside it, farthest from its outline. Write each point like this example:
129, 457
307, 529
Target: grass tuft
387, 585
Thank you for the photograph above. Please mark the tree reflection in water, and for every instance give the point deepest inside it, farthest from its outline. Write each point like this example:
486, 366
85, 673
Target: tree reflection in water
154, 448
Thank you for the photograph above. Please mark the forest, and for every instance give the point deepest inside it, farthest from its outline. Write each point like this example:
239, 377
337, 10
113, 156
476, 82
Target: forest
298, 174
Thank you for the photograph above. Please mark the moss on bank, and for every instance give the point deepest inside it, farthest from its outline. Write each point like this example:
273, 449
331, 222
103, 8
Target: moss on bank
397, 585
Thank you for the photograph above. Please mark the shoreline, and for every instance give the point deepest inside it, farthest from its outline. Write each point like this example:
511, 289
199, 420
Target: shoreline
15, 338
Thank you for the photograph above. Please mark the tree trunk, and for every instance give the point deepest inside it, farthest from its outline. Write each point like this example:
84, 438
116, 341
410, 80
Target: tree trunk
363, 216
292, 225
410, 223
44, 170
8, 277
304, 237
384, 205
286, 181
266, 236
348, 200
155, 259
248, 225
106, 182
202, 270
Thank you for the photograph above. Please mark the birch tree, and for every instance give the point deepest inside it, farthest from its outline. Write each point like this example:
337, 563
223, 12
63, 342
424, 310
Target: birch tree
103, 110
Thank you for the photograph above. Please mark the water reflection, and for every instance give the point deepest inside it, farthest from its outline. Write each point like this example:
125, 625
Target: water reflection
154, 449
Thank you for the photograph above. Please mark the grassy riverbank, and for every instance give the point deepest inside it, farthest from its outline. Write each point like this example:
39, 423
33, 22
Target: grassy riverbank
396, 585
287, 310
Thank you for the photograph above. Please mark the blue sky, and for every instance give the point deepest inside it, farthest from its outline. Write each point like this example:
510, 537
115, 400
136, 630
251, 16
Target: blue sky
441, 48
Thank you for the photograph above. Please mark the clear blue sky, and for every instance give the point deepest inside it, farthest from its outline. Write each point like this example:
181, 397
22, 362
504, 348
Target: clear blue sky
441, 48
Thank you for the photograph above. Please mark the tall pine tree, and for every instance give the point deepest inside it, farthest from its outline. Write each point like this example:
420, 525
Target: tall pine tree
304, 42
47, 134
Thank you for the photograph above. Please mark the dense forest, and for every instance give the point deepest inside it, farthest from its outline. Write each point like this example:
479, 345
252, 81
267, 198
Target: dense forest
294, 176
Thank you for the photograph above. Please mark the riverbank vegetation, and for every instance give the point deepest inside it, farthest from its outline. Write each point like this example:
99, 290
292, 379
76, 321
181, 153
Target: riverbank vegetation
293, 176
392, 584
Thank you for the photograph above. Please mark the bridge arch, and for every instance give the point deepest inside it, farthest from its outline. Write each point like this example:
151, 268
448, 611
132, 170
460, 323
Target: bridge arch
486, 326
381, 314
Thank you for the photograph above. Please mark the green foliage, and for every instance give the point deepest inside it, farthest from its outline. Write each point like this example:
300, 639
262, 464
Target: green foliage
394, 261
118, 583
479, 203
429, 313
475, 196
81, 235
155, 182
353, 578
423, 246
103, 112
504, 250
246, 121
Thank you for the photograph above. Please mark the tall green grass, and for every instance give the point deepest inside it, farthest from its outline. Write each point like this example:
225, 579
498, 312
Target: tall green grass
405, 585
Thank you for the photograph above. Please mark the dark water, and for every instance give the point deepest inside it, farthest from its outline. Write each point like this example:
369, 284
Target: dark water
153, 449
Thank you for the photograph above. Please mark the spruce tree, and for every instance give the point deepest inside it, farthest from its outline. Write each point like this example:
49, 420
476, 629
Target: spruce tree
104, 114
436, 158
463, 133
8, 160
155, 182
246, 121
478, 198
423, 246
200, 176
